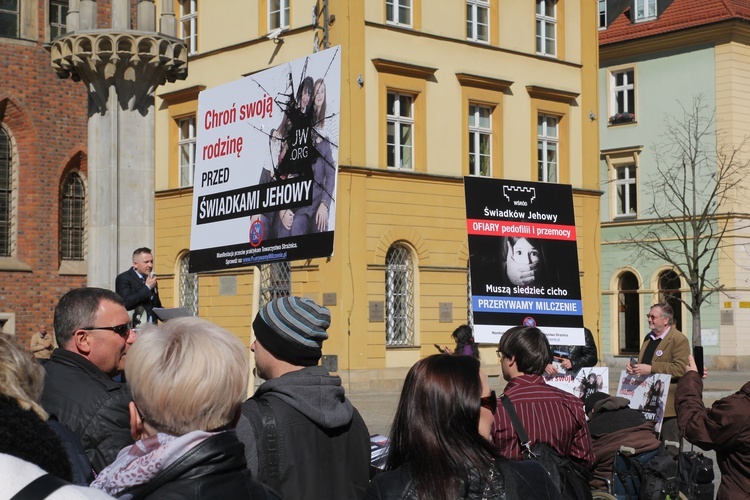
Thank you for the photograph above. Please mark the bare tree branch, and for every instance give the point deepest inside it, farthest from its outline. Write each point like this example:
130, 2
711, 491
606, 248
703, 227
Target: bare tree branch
691, 202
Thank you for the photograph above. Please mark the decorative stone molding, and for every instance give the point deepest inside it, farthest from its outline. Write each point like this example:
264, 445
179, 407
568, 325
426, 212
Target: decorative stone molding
134, 62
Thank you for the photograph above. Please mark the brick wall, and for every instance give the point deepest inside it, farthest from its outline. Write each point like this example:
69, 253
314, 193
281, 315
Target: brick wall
47, 117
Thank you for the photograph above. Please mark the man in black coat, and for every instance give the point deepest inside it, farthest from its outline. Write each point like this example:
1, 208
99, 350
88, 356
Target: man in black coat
94, 333
575, 357
137, 286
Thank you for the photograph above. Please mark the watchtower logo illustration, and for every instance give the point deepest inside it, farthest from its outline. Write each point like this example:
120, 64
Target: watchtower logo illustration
519, 196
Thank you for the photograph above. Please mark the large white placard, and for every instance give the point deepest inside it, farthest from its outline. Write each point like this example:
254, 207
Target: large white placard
266, 166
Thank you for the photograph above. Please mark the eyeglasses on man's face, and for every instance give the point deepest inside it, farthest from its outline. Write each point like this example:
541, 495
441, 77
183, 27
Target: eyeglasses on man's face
122, 330
489, 402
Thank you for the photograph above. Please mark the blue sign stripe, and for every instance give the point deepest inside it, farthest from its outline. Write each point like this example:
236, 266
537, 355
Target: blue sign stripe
527, 305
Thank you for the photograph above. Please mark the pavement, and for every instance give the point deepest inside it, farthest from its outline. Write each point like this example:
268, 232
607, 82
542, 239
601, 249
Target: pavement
378, 408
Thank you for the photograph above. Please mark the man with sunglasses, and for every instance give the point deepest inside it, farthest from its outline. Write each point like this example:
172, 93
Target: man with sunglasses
94, 333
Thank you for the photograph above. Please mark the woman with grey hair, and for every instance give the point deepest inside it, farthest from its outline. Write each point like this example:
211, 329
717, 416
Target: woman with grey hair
187, 379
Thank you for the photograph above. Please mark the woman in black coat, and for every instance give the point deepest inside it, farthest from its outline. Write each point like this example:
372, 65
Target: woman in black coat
439, 443
187, 378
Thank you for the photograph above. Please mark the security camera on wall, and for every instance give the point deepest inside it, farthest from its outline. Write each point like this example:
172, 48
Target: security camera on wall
275, 34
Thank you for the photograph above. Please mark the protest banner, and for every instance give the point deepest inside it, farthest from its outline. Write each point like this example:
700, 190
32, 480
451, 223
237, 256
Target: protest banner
646, 393
266, 166
582, 383
523, 259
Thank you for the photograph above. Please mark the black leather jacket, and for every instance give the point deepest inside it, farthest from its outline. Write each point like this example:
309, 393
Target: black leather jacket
88, 402
580, 356
510, 481
214, 469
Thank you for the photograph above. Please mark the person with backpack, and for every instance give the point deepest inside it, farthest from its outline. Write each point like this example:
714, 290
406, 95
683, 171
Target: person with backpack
723, 428
302, 436
440, 440
613, 423
549, 415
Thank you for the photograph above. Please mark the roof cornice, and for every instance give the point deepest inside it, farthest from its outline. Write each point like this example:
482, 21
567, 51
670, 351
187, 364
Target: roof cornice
733, 30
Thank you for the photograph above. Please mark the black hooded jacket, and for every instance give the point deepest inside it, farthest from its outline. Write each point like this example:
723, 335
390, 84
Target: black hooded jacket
580, 356
323, 442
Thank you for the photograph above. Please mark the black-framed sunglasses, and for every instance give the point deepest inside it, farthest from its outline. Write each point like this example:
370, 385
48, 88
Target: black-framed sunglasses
122, 330
489, 402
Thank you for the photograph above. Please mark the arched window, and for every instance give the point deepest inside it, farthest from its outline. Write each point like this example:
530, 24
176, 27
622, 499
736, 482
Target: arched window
669, 292
275, 281
628, 313
72, 218
399, 296
188, 286
7, 198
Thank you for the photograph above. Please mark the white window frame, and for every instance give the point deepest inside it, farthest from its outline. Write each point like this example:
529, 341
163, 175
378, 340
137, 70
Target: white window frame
602, 14
186, 144
394, 15
545, 19
189, 24
476, 133
624, 90
400, 121
545, 143
645, 10
282, 13
625, 184
399, 295
473, 9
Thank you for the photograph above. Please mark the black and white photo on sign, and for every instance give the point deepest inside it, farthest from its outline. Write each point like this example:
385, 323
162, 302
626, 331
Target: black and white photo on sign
266, 166
523, 259
646, 393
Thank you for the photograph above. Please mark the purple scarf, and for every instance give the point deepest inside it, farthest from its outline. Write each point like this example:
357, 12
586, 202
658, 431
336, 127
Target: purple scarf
141, 462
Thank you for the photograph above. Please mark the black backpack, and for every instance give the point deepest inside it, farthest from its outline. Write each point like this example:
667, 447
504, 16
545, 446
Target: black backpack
659, 479
628, 472
571, 478
696, 475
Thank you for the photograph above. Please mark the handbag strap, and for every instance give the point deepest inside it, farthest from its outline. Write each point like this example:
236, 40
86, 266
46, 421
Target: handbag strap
272, 477
39, 488
517, 425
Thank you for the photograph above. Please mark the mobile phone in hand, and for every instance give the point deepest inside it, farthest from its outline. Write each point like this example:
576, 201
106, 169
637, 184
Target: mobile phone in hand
698, 356
437, 346
633, 360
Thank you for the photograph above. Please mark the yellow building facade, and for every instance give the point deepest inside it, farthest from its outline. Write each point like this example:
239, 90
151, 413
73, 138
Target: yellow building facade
476, 79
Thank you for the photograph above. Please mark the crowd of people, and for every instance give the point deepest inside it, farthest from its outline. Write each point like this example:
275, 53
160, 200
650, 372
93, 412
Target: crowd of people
181, 427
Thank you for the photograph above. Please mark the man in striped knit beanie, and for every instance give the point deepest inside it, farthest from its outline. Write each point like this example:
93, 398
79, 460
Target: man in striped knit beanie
302, 436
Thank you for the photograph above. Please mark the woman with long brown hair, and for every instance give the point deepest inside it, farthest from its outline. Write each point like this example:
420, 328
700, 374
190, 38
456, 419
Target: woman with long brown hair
439, 443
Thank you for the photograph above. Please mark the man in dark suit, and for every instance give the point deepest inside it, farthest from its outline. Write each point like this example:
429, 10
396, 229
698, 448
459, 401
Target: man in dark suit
137, 286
